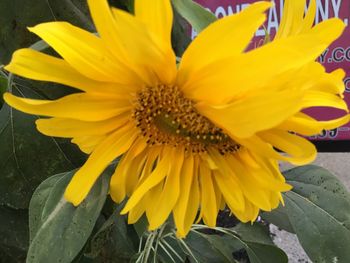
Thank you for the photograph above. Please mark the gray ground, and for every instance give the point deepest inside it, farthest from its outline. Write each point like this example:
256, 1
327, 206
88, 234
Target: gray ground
339, 164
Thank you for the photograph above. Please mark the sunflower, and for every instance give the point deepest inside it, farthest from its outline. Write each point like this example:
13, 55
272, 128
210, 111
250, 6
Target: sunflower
199, 136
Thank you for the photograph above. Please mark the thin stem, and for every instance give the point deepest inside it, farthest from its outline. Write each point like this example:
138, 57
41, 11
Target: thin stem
166, 251
161, 230
172, 250
186, 247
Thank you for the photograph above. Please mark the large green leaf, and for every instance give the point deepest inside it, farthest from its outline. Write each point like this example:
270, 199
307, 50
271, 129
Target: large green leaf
3, 87
17, 15
14, 234
258, 244
279, 218
318, 209
254, 239
180, 37
28, 157
113, 240
210, 248
58, 229
195, 14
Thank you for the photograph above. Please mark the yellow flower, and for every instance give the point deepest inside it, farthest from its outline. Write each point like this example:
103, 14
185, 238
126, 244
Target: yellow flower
193, 138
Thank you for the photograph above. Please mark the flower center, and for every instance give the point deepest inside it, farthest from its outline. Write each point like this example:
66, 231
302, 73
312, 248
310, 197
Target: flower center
165, 116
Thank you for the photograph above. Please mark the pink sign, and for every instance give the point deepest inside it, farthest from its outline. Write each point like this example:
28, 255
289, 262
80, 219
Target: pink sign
336, 56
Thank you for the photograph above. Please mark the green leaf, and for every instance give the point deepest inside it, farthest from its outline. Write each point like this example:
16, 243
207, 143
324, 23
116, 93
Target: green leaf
113, 240
258, 244
14, 234
180, 37
15, 18
318, 208
209, 248
58, 229
279, 218
28, 157
195, 14
3, 88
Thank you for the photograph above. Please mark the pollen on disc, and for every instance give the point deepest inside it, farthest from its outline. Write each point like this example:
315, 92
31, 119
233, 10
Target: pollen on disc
165, 117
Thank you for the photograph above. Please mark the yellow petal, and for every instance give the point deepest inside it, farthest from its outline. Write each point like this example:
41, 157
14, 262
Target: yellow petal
208, 199
292, 18
230, 191
227, 182
68, 128
305, 125
299, 150
131, 42
250, 213
84, 51
112, 32
325, 99
143, 47
248, 73
39, 66
309, 17
157, 15
109, 149
224, 38
80, 106
136, 166
249, 115
135, 213
261, 176
158, 174
152, 195
128, 170
251, 188
293, 21
186, 179
163, 206
186, 208
88, 143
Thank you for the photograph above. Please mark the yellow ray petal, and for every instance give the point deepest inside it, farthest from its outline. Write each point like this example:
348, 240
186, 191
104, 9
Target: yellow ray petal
251, 188
118, 183
260, 176
209, 208
300, 151
170, 193
230, 190
292, 18
39, 66
88, 143
186, 208
250, 213
84, 51
309, 17
319, 98
68, 128
305, 125
224, 38
158, 174
80, 106
135, 169
181, 206
227, 182
157, 15
135, 213
112, 31
252, 71
130, 41
267, 111
109, 149
142, 47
